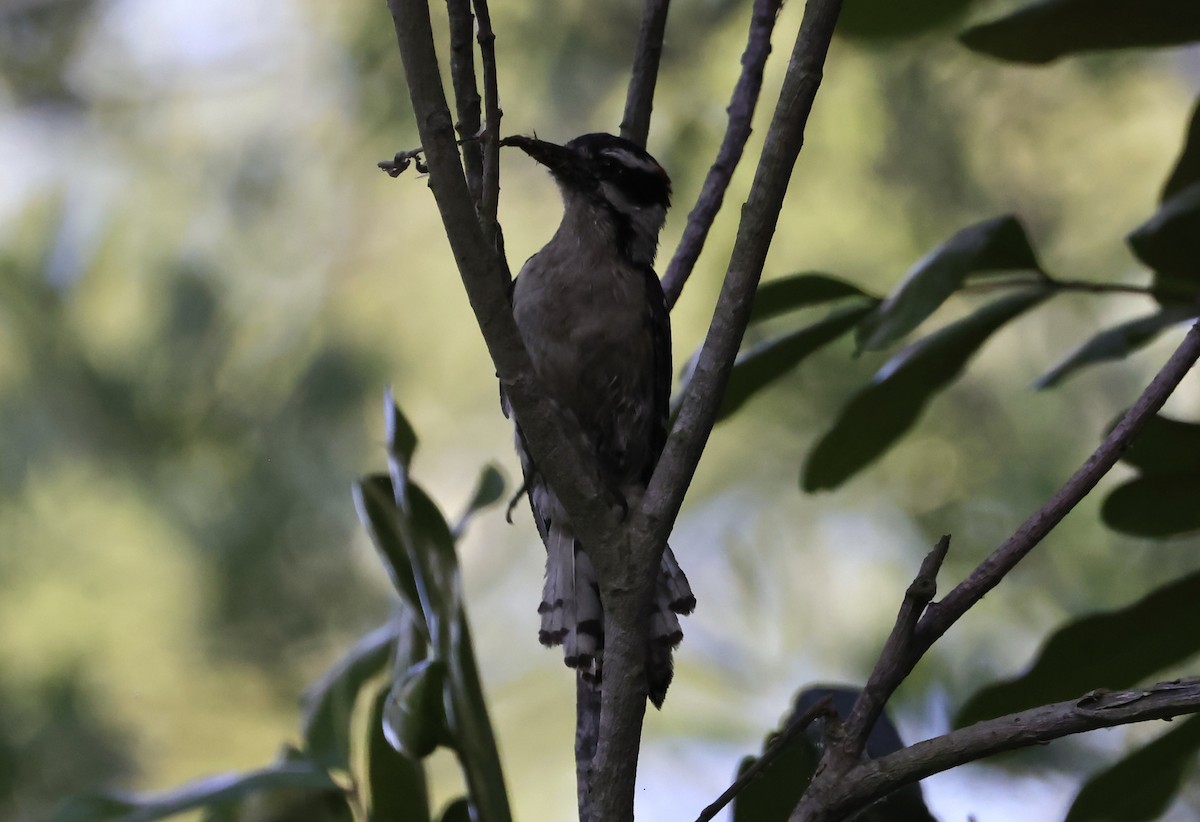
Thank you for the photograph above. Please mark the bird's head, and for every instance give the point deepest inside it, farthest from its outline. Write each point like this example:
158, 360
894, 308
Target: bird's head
611, 175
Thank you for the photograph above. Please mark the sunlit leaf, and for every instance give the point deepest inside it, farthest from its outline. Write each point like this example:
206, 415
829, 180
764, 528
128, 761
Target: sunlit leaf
328, 703
414, 719
1154, 506
1187, 167
397, 783
993, 246
1169, 242
1140, 787
880, 413
1115, 343
1154, 633
885, 19
764, 363
286, 776
1164, 446
1044, 31
488, 490
796, 291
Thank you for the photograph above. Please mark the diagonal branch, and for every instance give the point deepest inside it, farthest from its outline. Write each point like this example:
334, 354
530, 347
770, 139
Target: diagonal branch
893, 664
872, 779
639, 100
795, 727
737, 132
760, 214
841, 782
941, 615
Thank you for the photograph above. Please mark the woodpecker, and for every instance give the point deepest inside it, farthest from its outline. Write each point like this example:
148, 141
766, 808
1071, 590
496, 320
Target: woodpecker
592, 314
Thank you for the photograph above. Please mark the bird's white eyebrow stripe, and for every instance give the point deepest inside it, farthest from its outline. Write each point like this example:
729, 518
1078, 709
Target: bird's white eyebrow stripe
631, 160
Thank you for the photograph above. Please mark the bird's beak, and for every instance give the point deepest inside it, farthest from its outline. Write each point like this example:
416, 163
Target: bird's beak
560, 160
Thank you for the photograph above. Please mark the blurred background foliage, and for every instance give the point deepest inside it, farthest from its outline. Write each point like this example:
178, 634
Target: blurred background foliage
205, 285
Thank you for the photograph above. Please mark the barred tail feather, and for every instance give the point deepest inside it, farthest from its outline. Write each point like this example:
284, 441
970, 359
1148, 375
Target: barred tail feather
557, 595
572, 614
680, 598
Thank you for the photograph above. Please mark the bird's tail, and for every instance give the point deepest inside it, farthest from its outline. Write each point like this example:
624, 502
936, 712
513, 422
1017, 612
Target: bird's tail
573, 616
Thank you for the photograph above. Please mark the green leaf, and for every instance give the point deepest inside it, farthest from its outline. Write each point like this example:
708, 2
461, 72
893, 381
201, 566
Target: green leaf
457, 811
399, 435
328, 704
401, 442
414, 717
887, 19
1164, 446
1041, 32
1154, 506
285, 776
1115, 343
473, 737
996, 245
1142, 785
431, 551
376, 506
1187, 167
796, 291
1169, 242
488, 490
764, 363
397, 783
880, 413
1154, 633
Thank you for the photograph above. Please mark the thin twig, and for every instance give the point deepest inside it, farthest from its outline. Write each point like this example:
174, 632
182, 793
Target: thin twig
466, 92
872, 779
490, 204
896, 659
781, 741
737, 132
639, 100
1101, 288
987, 284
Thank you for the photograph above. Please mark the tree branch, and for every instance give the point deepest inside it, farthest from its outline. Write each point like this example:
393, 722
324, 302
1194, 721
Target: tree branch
737, 132
760, 214
490, 202
841, 783
466, 94
559, 454
628, 585
797, 726
872, 779
941, 615
893, 665
639, 100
